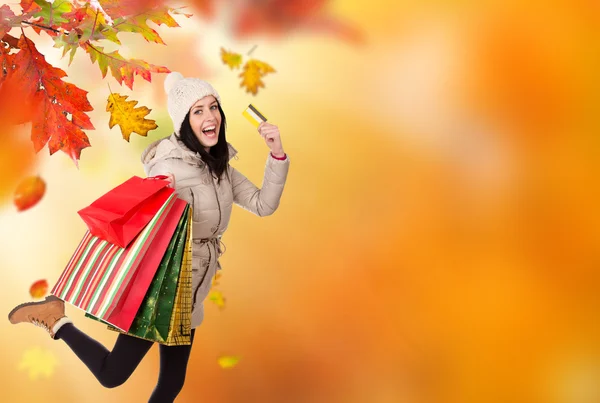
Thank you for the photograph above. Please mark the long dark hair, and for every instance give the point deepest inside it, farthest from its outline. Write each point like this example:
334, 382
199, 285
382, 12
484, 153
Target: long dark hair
217, 158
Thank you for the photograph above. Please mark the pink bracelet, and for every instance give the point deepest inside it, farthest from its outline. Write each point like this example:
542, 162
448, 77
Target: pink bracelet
280, 158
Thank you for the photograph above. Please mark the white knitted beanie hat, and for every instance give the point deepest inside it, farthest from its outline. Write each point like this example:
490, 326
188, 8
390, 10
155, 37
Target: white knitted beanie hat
183, 93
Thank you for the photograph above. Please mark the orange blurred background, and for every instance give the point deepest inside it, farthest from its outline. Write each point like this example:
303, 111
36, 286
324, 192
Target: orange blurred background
438, 237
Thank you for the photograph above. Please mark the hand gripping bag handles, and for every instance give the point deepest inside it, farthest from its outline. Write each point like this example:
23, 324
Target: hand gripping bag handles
120, 215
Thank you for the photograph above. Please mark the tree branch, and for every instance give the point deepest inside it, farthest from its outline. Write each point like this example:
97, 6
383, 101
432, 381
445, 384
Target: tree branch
42, 26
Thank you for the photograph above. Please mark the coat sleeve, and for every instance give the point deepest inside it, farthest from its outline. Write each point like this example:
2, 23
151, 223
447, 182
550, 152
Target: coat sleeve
263, 201
161, 167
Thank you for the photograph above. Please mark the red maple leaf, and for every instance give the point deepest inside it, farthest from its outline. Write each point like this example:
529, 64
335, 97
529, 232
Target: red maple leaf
57, 108
278, 17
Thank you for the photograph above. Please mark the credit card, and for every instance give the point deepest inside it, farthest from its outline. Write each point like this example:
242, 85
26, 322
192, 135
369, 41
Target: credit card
254, 116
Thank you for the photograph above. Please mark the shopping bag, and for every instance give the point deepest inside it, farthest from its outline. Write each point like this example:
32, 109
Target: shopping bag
120, 214
133, 295
99, 272
165, 316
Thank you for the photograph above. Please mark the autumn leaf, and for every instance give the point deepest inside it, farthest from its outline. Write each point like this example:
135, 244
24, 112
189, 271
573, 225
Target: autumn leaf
37, 361
51, 14
138, 24
123, 70
69, 43
29, 192
58, 108
129, 118
38, 289
228, 361
90, 25
8, 19
217, 297
252, 75
233, 60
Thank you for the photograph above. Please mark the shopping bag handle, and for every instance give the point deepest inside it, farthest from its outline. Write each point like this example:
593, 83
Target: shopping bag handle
157, 177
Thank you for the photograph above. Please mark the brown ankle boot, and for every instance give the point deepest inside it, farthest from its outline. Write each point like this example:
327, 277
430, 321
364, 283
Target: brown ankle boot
45, 314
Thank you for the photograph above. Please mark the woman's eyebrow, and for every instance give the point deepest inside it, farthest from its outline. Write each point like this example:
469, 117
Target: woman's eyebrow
202, 106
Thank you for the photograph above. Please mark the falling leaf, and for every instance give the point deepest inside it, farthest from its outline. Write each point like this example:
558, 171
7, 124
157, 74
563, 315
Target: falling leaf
233, 60
129, 118
38, 361
123, 70
38, 289
57, 108
228, 361
252, 75
29, 192
217, 297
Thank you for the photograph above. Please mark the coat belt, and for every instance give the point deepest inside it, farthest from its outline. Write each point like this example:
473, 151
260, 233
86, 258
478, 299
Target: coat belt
216, 241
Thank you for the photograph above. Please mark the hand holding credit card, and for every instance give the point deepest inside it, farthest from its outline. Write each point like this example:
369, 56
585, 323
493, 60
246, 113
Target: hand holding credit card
269, 132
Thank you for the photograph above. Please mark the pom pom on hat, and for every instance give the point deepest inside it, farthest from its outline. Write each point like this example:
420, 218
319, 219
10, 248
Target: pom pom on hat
183, 93
171, 80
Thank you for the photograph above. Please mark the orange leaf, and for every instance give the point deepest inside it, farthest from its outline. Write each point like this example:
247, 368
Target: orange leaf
39, 289
57, 107
29, 192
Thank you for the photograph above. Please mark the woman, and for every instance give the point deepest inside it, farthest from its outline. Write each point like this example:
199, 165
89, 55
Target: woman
196, 160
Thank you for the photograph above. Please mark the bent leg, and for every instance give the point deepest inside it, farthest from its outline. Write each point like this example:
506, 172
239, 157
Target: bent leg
111, 368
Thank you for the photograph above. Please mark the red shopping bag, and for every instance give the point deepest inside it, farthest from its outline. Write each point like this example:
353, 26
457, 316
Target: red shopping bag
119, 215
133, 295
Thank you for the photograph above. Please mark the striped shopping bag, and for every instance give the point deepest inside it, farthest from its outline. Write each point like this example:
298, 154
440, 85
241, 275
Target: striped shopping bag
99, 274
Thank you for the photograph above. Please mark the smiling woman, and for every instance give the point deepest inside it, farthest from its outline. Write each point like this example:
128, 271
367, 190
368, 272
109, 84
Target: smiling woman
196, 160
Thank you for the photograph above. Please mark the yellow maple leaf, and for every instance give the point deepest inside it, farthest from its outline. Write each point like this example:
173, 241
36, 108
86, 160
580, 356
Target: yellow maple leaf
216, 296
129, 118
252, 75
38, 362
228, 361
233, 60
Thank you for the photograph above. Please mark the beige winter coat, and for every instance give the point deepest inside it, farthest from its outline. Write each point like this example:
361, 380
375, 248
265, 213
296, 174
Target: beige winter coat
212, 203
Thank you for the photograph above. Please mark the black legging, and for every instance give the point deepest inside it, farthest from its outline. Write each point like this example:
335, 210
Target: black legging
113, 368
